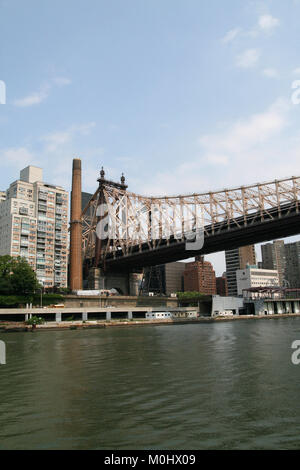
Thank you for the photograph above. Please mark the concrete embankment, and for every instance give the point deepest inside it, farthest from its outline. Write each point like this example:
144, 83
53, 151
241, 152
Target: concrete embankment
74, 325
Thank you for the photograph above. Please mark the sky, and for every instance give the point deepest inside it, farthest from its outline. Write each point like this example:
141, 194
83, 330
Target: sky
181, 95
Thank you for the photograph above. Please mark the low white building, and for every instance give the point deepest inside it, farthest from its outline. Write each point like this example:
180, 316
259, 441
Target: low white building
226, 305
158, 315
174, 313
253, 277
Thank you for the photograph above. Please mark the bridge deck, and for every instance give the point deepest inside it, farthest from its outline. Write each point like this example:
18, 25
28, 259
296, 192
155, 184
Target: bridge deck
255, 228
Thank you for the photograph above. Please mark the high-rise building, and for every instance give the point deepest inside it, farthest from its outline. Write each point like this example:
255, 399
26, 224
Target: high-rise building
34, 225
199, 276
238, 259
174, 277
222, 288
273, 257
292, 264
165, 278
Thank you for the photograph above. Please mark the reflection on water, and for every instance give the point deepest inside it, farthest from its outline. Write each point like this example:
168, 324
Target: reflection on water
209, 386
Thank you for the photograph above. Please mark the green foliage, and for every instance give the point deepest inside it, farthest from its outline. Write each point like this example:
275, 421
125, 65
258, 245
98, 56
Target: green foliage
12, 301
15, 301
190, 295
17, 277
48, 299
65, 290
35, 321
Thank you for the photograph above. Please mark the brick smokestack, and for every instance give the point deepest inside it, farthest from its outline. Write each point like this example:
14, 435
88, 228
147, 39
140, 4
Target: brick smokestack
76, 228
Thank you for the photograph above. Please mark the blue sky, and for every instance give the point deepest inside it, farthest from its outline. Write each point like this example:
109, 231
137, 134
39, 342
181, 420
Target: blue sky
180, 95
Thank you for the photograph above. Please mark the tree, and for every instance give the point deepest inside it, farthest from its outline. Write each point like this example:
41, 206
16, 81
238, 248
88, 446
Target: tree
6, 268
17, 277
190, 295
23, 278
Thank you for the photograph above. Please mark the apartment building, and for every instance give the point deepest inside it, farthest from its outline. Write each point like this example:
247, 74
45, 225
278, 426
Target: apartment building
235, 260
199, 276
292, 267
222, 287
34, 225
274, 257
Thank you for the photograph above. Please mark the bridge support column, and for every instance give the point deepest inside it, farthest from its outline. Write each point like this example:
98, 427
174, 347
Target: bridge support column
84, 316
135, 280
259, 306
279, 307
288, 307
108, 316
270, 308
58, 317
99, 281
96, 281
129, 315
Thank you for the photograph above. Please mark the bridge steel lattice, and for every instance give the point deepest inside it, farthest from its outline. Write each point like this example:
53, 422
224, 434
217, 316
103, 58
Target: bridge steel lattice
143, 231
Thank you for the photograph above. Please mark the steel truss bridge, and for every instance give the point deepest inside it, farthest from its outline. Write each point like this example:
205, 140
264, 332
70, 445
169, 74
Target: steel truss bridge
138, 231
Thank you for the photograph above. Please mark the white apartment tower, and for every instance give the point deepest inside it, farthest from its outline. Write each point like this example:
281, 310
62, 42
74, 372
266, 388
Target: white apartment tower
34, 225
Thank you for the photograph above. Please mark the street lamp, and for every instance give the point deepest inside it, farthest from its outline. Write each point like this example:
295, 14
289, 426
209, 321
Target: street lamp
41, 290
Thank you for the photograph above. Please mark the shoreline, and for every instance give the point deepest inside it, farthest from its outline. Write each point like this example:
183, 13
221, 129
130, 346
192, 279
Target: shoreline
6, 327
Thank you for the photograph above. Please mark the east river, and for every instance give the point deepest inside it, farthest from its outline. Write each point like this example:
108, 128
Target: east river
209, 386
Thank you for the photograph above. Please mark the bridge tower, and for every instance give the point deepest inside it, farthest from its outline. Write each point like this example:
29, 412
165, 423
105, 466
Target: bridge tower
99, 278
102, 240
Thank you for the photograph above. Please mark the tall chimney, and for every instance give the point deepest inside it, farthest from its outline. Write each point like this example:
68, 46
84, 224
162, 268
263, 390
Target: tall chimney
76, 228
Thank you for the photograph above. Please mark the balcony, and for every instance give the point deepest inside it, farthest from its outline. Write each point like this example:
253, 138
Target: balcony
23, 211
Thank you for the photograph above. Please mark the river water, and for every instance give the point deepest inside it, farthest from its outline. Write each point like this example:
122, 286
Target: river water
208, 386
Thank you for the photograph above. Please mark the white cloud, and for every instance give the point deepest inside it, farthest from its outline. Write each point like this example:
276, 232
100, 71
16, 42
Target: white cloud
246, 134
18, 157
246, 151
33, 98
267, 23
248, 58
38, 97
231, 35
62, 81
56, 140
270, 73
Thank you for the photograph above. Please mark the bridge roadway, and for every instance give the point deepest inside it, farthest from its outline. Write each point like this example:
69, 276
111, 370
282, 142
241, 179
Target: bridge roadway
281, 221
